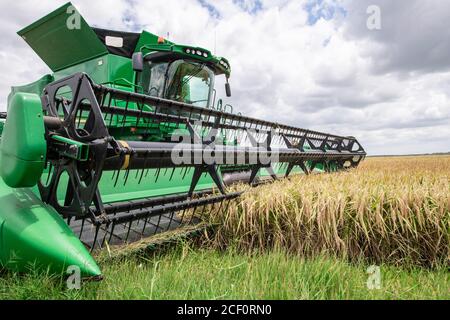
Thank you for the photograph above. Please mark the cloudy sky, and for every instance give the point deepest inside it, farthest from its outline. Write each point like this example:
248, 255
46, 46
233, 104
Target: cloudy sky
309, 63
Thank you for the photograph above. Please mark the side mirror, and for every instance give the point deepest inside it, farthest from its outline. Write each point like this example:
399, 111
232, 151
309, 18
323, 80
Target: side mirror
228, 89
138, 61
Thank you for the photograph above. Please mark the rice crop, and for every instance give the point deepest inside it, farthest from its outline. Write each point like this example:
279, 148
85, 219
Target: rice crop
388, 210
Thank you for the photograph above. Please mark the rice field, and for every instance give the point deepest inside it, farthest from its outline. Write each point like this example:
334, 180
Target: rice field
388, 210
308, 237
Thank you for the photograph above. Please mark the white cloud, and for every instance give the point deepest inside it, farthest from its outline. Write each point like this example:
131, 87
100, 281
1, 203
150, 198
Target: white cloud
323, 70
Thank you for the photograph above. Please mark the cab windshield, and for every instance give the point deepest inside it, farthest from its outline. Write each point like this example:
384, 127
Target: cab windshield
180, 80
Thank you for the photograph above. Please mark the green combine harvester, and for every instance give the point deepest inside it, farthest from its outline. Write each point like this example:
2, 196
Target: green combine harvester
127, 139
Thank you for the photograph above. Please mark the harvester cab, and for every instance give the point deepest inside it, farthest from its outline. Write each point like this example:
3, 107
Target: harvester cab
125, 139
185, 76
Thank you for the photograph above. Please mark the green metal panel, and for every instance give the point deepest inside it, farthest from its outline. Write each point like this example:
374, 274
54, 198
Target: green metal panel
33, 236
23, 151
96, 68
60, 42
120, 71
164, 182
106, 69
148, 38
35, 87
152, 184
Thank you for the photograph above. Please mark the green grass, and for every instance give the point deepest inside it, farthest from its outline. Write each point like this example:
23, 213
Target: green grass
186, 273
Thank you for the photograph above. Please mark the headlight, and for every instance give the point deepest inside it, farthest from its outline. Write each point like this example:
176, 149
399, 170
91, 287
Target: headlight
205, 54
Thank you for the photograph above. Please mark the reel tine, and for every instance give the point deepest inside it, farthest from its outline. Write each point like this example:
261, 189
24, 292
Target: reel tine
212, 209
185, 172
104, 236
97, 228
109, 106
157, 174
142, 175
137, 174
124, 117
220, 207
228, 205
102, 103
128, 232
145, 164
182, 215
145, 224
171, 175
193, 214
172, 214
117, 178
203, 212
112, 231
157, 224
127, 173
82, 227
141, 108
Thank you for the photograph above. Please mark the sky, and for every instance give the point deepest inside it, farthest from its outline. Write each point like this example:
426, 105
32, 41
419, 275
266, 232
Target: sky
378, 70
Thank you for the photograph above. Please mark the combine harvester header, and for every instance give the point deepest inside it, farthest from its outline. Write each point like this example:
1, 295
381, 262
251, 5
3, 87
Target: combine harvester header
127, 139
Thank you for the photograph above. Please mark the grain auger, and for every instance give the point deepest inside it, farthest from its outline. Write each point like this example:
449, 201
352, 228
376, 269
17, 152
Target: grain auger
124, 141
